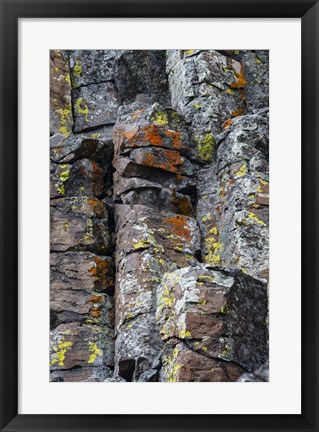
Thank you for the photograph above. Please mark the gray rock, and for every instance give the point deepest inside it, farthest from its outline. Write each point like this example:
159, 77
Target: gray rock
94, 105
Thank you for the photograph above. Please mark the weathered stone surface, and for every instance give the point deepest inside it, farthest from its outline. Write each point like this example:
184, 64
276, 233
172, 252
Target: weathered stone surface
141, 76
137, 344
141, 125
141, 228
92, 66
60, 94
79, 224
73, 345
149, 243
179, 183
232, 208
207, 89
81, 306
89, 145
180, 363
82, 374
223, 315
81, 271
94, 105
259, 375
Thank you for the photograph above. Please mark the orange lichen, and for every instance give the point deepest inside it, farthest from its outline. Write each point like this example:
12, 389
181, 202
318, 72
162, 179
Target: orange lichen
227, 123
97, 206
95, 298
95, 311
175, 139
179, 226
101, 269
129, 132
183, 204
151, 161
173, 157
152, 135
238, 112
241, 81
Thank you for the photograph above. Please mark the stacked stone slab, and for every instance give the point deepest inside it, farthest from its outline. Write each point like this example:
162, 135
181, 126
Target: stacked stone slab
82, 273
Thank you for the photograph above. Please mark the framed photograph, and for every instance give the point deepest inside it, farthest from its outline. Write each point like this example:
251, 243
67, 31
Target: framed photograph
158, 215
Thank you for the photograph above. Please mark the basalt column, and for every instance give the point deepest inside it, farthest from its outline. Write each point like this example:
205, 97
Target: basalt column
82, 274
156, 230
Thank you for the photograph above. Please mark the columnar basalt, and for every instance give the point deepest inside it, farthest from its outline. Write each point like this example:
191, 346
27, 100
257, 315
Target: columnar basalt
159, 215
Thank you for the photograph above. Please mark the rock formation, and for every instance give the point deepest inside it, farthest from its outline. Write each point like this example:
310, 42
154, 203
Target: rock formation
159, 215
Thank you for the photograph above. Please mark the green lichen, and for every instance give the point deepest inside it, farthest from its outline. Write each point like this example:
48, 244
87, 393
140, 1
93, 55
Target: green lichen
160, 118
205, 147
197, 106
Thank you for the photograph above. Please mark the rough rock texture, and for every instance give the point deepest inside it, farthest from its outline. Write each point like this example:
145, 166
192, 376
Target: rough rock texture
159, 187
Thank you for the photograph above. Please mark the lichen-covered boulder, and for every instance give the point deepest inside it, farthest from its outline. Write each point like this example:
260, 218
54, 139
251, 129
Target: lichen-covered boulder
181, 364
74, 345
220, 314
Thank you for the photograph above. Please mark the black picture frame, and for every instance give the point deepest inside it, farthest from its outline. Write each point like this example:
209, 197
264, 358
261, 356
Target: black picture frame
11, 11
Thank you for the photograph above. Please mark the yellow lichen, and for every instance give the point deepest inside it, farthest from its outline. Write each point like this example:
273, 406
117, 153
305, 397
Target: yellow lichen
95, 352
65, 117
63, 176
67, 78
82, 108
188, 52
142, 244
160, 118
184, 334
252, 216
77, 69
241, 172
207, 217
60, 351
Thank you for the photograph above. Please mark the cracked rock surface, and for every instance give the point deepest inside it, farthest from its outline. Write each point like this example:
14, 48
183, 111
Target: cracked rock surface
159, 199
